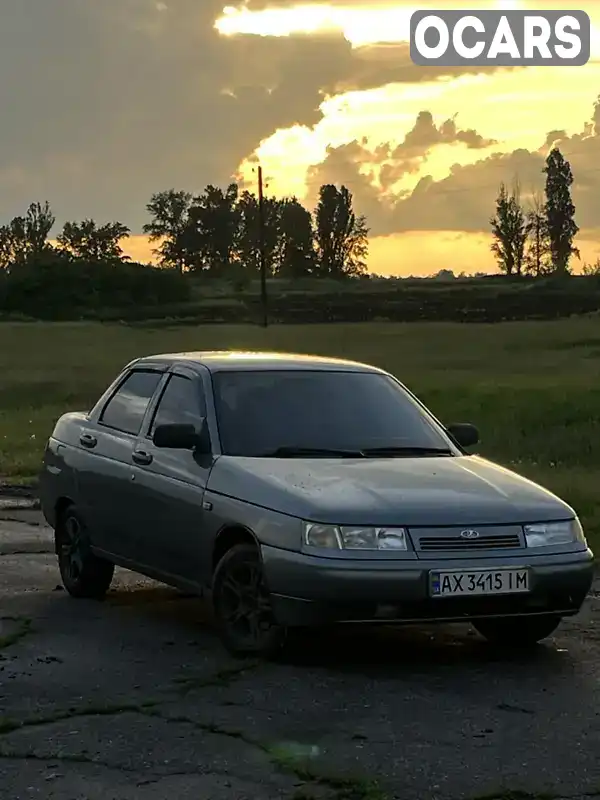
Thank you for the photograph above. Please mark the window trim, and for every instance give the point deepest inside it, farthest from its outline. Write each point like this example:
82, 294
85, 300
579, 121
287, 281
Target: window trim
99, 420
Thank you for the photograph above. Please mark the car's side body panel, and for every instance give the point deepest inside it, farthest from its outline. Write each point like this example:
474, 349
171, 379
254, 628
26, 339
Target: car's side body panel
147, 517
101, 458
93, 478
167, 497
59, 477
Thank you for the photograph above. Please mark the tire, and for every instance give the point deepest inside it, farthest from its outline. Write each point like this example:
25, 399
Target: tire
83, 574
517, 631
242, 606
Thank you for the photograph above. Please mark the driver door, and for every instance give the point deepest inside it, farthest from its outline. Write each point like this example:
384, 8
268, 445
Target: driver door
170, 484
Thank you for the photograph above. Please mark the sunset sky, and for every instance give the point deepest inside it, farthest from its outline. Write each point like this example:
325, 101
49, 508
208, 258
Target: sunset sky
106, 102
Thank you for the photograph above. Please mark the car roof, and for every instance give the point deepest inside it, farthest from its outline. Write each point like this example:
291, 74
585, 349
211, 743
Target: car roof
236, 360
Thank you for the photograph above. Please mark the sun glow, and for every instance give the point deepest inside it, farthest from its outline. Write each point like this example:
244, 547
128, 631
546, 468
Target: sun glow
381, 23
359, 25
514, 109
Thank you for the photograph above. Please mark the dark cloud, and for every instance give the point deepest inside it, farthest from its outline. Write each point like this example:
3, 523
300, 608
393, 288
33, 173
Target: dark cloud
106, 102
425, 135
110, 101
374, 173
381, 64
464, 200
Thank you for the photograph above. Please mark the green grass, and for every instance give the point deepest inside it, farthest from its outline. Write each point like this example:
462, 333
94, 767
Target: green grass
533, 388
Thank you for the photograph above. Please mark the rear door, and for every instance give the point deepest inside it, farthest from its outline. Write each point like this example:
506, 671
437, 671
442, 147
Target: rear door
105, 480
170, 484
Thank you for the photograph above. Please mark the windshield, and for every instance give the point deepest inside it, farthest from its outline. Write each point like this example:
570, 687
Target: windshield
259, 413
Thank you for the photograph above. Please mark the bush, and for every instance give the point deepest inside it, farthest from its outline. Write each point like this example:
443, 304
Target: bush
65, 289
62, 289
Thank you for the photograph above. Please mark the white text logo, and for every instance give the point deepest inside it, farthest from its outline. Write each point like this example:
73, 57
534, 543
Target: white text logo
500, 38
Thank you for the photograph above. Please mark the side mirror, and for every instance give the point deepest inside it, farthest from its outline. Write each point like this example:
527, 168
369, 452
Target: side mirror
464, 434
182, 437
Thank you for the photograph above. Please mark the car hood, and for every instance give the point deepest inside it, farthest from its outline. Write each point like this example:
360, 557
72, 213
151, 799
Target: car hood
463, 490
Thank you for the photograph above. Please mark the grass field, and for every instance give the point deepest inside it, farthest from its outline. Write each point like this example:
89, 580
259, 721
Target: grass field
533, 388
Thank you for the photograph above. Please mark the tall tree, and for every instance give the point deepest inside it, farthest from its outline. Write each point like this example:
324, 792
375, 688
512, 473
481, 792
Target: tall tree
13, 246
249, 232
560, 211
169, 220
341, 237
509, 231
39, 221
537, 253
87, 240
25, 238
297, 257
210, 236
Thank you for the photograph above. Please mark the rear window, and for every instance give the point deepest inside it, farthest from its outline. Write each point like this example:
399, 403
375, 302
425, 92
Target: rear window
126, 409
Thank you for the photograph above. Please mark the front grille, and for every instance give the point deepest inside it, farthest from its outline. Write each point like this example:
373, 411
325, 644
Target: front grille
432, 544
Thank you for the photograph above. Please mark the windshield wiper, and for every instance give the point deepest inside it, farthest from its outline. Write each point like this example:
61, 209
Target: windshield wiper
399, 450
299, 452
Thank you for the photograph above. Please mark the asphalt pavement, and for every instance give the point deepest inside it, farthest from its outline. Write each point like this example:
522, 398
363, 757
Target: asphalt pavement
134, 697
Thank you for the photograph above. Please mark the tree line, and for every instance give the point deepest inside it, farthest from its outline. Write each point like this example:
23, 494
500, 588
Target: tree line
226, 234
537, 239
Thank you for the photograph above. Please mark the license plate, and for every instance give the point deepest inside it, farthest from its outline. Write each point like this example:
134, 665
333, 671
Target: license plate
477, 582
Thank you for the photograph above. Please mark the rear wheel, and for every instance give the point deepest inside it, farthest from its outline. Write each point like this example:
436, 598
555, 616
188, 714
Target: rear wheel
83, 574
242, 605
517, 631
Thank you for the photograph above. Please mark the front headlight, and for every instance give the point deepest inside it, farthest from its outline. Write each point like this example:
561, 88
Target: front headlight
548, 534
350, 538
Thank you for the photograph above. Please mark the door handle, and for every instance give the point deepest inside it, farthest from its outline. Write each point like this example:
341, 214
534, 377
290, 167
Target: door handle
141, 457
87, 440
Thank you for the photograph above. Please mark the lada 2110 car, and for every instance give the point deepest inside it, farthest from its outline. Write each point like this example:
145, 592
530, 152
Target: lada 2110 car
301, 491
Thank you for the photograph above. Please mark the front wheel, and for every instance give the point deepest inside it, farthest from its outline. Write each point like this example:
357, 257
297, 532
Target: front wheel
83, 574
517, 631
242, 605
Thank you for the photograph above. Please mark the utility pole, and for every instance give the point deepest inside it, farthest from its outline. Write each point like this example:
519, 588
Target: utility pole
261, 250
538, 255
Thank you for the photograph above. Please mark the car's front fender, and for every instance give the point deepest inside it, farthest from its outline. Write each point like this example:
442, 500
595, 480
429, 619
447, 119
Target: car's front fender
269, 527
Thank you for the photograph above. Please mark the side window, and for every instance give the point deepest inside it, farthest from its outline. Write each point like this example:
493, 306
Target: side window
182, 402
126, 408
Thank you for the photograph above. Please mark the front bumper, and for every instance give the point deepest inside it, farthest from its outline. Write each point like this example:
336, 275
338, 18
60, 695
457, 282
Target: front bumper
309, 590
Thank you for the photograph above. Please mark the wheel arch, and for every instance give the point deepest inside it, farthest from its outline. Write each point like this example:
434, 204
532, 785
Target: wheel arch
62, 504
60, 507
227, 537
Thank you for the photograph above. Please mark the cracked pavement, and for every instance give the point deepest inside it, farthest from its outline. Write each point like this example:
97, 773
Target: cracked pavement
134, 698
